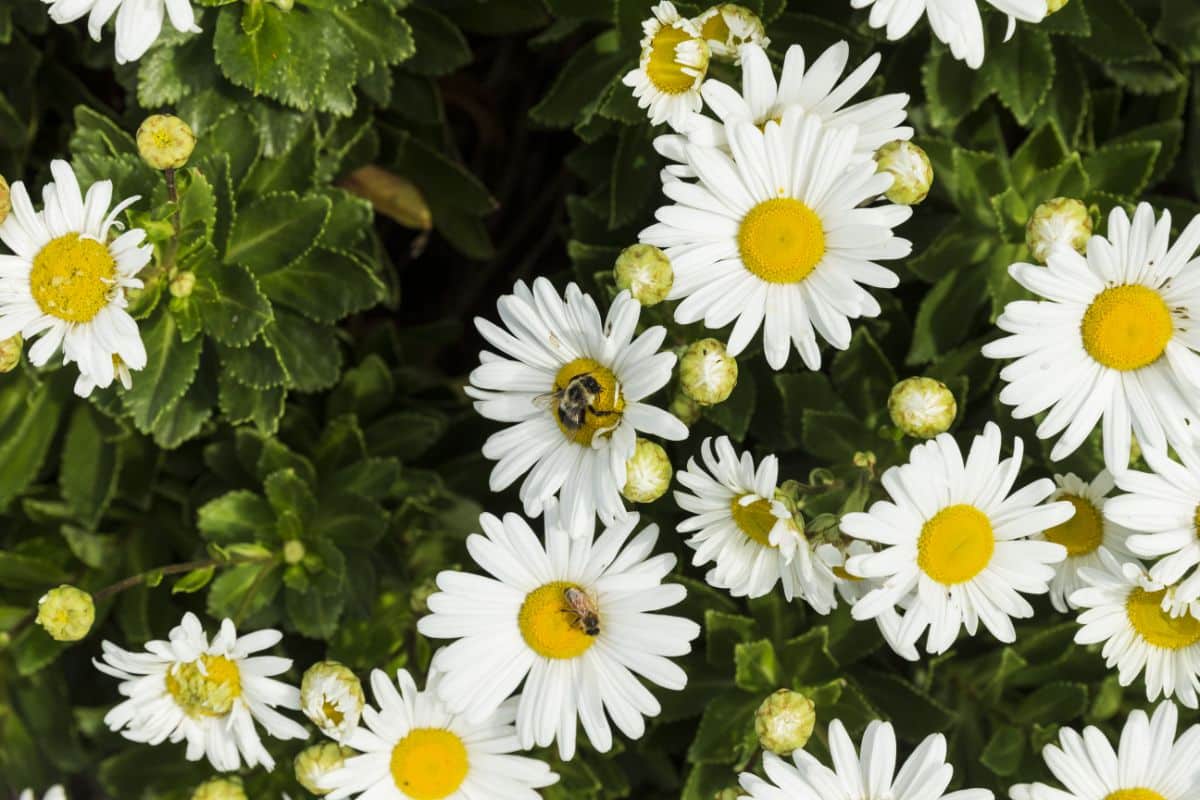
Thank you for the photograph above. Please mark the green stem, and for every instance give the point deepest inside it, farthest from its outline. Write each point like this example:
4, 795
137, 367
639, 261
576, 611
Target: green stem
176, 218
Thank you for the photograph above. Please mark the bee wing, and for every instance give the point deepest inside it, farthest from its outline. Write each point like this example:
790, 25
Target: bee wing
548, 400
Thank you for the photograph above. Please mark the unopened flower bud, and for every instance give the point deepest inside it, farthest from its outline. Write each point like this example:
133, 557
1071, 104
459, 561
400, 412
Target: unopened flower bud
1061, 222
728, 26
646, 272
314, 763
66, 613
10, 352
727, 794
647, 472
784, 721
220, 789
1055, 5
911, 171
293, 551
165, 142
182, 284
332, 697
707, 373
685, 408
922, 407
5, 199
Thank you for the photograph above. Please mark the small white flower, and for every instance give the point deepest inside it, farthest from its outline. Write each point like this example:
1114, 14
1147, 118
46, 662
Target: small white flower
139, 22
673, 63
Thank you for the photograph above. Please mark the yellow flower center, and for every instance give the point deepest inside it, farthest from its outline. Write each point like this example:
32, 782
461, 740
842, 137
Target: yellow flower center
664, 70
71, 278
429, 763
548, 624
1127, 327
332, 713
1156, 626
955, 544
754, 519
715, 28
588, 400
781, 240
1134, 794
205, 687
1082, 533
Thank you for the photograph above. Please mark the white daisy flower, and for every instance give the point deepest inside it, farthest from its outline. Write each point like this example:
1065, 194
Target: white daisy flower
672, 65
955, 541
957, 23
774, 237
53, 793
209, 694
1128, 611
1113, 343
1149, 764
414, 748
572, 619
871, 775
66, 283
1084, 534
574, 386
728, 27
819, 90
139, 22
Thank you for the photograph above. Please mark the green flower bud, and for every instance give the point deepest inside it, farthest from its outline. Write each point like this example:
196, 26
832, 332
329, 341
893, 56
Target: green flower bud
332, 697
165, 142
784, 721
911, 172
647, 472
727, 794
684, 407
1063, 221
1055, 5
314, 763
10, 352
922, 407
646, 272
728, 26
66, 613
5, 199
293, 551
220, 789
182, 284
707, 373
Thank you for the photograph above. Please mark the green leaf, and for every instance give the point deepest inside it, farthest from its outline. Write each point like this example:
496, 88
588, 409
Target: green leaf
243, 590
1117, 34
308, 352
314, 613
863, 374
945, 315
756, 668
28, 421
287, 491
230, 302
806, 659
349, 520
286, 59
634, 181
1122, 169
234, 517
1021, 71
323, 285
736, 413
276, 230
241, 403
1004, 750
193, 581
902, 701
1179, 28
1053, 702
953, 90
580, 85
91, 466
27, 572
171, 365
833, 435
440, 46
723, 632
726, 729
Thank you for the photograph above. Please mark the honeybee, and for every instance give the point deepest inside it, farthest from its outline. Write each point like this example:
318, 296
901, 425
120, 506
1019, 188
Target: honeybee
582, 610
572, 403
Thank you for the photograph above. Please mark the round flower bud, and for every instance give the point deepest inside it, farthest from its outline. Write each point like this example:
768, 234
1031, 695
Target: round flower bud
10, 352
293, 551
66, 613
1061, 222
646, 272
165, 142
728, 26
1055, 5
911, 172
220, 789
314, 763
784, 721
685, 408
707, 373
332, 697
922, 407
5, 199
647, 472
182, 284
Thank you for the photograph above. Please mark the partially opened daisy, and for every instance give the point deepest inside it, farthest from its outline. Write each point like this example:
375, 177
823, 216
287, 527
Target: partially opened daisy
574, 387
1150, 763
139, 22
1134, 616
573, 620
1112, 344
413, 748
672, 65
955, 541
1162, 508
869, 775
66, 282
209, 694
955, 22
776, 236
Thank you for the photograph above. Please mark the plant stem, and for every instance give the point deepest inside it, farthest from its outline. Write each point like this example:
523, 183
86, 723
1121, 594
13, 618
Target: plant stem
176, 218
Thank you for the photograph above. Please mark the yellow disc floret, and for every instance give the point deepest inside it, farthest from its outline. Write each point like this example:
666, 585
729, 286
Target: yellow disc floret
71, 278
754, 519
1134, 794
206, 687
429, 763
1157, 626
589, 400
664, 68
955, 544
1127, 327
548, 624
1082, 533
781, 240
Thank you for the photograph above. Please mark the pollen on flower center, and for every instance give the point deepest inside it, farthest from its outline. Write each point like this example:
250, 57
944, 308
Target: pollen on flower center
664, 69
205, 687
1082, 533
1127, 327
955, 544
71, 278
1158, 627
588, 400
429, 764
548, 624
781, 240
715, 27
754, 519
1134, 794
